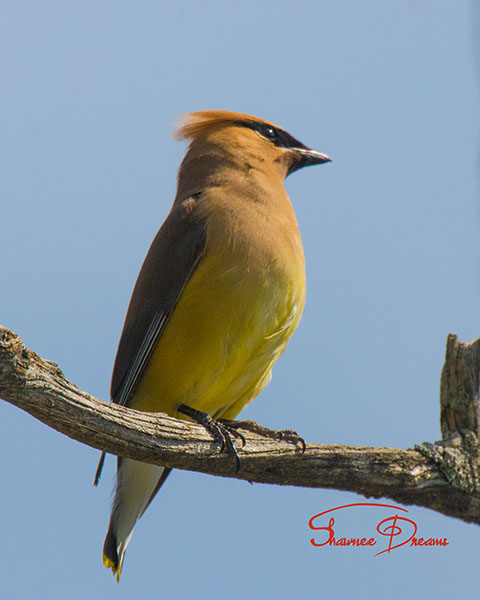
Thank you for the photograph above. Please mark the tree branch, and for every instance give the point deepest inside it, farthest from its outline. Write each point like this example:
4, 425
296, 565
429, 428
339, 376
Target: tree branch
427, 476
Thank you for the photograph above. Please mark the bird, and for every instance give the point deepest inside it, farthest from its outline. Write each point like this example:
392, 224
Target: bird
218, 296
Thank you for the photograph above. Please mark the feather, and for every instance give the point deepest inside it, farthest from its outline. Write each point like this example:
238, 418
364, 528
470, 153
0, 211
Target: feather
194, 123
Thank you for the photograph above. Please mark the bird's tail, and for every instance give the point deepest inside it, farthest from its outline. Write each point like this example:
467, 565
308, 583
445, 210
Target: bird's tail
137, 484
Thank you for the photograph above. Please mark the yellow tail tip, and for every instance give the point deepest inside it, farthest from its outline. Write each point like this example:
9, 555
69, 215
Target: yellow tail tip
111, 565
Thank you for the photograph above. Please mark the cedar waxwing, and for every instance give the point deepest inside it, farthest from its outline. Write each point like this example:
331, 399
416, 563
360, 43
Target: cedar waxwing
219, 294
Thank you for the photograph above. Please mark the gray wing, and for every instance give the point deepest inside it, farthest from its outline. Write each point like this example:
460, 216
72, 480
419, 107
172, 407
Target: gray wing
171, 260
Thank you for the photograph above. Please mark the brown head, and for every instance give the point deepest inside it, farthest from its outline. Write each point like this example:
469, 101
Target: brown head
242, 142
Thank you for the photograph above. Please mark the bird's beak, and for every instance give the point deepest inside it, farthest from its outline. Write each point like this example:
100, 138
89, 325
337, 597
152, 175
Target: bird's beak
311, 157
305, 157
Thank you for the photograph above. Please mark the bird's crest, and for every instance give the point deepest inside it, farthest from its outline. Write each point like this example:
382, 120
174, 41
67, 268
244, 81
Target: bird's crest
194, 123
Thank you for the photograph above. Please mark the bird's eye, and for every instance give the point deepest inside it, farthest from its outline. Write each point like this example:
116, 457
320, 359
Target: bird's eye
269, 132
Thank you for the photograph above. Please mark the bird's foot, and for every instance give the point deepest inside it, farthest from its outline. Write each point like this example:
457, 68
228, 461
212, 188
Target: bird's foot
220, 430
287, 435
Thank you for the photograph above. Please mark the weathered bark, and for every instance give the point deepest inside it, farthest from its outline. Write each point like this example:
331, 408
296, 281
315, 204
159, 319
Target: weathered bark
441, 476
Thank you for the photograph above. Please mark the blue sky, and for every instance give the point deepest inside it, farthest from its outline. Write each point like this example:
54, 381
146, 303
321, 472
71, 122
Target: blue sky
90, 93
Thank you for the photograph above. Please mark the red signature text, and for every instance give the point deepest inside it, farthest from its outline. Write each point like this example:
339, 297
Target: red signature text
394, 531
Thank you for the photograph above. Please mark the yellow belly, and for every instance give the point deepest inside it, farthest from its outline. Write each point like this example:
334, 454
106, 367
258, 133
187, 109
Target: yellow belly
229, 327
